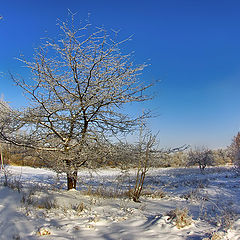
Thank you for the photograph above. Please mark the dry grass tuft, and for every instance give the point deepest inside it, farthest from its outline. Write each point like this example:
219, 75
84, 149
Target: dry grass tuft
180, 217
104, 192
43, 231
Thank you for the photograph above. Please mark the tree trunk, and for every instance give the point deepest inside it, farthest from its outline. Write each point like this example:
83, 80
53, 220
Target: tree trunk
1, 156
72, 180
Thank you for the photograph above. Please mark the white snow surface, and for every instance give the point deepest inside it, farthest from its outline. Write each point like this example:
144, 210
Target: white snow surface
44, 206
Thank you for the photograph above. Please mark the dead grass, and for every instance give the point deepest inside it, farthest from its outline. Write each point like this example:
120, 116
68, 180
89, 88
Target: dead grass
104, 192
180, 217
109, 192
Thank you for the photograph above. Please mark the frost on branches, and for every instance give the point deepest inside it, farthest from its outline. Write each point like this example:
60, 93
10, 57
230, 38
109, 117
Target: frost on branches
202, 157
78, 85
234, 150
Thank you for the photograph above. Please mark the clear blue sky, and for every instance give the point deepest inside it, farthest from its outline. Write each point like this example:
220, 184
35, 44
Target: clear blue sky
193, 47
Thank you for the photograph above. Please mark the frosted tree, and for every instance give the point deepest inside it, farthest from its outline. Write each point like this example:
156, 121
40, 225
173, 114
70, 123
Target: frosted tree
6, 118
234, 150
77, 88
5, 111
202, 157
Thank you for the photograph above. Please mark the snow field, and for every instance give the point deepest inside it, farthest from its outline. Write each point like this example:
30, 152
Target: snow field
44, 209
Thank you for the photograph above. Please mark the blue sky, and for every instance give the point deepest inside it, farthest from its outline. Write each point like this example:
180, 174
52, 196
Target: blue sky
193, 48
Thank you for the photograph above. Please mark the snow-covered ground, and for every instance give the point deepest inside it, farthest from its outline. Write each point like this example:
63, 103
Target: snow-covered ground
43, 205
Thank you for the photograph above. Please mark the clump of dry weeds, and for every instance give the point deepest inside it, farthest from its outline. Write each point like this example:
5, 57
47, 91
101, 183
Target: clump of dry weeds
180, 217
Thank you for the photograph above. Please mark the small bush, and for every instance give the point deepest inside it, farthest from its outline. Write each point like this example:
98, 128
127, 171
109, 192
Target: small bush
79, 208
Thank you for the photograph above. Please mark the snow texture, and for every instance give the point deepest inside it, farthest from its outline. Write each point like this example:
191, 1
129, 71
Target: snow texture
45, 210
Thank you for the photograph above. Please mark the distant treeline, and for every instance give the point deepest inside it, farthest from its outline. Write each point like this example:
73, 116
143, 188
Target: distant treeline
119, 155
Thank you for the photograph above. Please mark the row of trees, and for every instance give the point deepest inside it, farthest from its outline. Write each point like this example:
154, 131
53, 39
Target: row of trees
125, 155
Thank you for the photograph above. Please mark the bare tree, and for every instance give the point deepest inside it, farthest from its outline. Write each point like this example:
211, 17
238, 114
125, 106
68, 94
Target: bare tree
234, 150
202, 157
78, 86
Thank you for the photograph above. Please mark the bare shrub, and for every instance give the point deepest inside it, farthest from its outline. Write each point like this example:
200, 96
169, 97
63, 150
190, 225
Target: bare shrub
16, 184
217, 213
225, 219
143, 166
144, 154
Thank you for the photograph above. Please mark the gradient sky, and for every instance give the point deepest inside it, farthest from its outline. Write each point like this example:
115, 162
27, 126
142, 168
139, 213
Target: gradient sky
193, 48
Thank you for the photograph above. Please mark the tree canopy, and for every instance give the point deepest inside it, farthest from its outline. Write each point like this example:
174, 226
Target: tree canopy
78, 84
